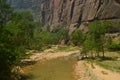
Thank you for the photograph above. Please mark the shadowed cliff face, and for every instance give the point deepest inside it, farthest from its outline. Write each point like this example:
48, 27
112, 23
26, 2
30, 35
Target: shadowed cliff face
118, 1
78, 13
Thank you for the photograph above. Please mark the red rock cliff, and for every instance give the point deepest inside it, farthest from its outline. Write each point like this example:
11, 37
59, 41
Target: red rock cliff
78, 13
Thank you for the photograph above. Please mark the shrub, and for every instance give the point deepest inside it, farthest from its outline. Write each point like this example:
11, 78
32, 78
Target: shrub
114, 47
77, 37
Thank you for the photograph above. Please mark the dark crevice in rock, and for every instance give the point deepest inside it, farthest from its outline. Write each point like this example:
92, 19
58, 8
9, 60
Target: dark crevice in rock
110, 18
72, 9
43, 17
80, 18
99, 5
117, 1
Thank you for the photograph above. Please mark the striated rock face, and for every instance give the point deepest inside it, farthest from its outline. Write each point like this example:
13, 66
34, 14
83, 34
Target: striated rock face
78, 13
70, 13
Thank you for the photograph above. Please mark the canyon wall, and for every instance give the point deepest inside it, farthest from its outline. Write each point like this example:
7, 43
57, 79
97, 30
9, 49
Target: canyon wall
70, 13
78, 13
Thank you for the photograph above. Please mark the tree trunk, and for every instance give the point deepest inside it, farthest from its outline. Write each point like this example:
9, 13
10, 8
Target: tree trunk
91, 54
103, 51
98, 54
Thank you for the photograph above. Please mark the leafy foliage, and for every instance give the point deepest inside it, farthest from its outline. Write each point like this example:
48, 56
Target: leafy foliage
44, 38
114, 47
77, 37
89, 43
16, 32
9, 49
95, 39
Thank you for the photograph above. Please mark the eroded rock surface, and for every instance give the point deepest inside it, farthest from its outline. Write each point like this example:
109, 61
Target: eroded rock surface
70, 13
81, 12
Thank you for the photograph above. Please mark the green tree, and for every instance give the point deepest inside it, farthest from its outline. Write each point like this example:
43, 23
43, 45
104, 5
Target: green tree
22, 26
62, 34
88, 44
37, 42
98, 29
9, 49
77, 37
16, 33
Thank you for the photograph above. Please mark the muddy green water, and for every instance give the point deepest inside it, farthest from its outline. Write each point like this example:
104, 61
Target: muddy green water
55, 69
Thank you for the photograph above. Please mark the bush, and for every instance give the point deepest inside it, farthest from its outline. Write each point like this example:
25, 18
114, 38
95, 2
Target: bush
114, 47
77, 37
43, 39
16, 33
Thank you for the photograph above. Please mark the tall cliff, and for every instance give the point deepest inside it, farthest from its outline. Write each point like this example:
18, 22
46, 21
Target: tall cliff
70, 13
78, 13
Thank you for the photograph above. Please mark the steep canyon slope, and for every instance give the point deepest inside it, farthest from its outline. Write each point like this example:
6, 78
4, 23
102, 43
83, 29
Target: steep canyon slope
78, 13
70, 13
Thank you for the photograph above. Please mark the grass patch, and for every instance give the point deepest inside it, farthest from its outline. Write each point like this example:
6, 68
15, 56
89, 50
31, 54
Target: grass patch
111, 65
67, 48
110, 62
